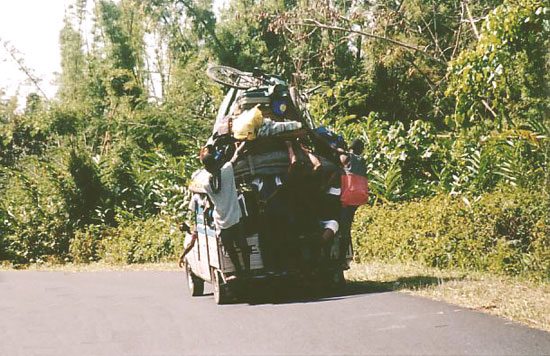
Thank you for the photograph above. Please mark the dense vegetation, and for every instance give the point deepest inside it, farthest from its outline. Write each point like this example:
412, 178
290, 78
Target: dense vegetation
451, 98
503, 232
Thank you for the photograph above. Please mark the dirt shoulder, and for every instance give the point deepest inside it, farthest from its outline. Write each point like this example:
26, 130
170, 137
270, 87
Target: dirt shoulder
516, 299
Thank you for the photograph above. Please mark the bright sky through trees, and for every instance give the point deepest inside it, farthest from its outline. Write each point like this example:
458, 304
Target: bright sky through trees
32, 27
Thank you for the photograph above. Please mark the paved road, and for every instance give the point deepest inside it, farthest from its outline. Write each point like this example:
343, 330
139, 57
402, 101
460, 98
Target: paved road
150, 313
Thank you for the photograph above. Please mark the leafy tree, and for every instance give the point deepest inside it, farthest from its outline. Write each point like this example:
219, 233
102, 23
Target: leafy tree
72, 87
449, 96
502, 82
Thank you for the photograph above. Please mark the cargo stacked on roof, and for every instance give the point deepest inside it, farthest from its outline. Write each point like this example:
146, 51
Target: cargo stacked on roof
264, 112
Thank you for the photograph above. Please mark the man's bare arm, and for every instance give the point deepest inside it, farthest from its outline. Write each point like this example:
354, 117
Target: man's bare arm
237, 152
181, 261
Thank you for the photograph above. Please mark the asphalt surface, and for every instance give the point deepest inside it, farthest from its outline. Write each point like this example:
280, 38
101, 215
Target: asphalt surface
151, 313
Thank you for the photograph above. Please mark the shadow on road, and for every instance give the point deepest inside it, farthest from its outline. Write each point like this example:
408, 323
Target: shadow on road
286, 294
415, 282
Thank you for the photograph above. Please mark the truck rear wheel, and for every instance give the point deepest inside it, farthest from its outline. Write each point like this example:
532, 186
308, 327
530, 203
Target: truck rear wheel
194, 283
221, 290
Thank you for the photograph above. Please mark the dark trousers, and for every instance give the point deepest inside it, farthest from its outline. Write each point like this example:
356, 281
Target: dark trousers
232, 238
346, 220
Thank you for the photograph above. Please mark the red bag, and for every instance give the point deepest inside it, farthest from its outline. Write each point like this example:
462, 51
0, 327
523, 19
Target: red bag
355, 190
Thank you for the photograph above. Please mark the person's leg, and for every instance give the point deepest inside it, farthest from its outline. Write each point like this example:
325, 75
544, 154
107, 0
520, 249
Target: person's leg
265, 239
228, 241
346, 221
279, 229
242, 243
327, 239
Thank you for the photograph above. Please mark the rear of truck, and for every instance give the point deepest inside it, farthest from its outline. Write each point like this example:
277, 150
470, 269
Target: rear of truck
279, 200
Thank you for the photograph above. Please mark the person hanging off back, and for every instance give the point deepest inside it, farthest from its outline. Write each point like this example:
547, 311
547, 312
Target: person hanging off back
222, 192
352, 196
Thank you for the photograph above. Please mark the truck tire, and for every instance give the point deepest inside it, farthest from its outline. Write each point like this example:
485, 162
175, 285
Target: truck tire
194, 283
221, 290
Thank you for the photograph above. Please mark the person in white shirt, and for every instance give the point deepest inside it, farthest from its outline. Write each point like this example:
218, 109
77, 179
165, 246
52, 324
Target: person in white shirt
222, 192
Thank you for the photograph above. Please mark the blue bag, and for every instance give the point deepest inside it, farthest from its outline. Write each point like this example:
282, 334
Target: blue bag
333, 139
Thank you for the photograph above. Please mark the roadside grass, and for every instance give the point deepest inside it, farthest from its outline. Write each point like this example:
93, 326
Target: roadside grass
516, 299
93, 267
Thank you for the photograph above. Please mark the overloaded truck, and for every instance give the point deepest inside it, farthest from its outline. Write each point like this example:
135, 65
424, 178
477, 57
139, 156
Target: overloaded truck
281, 200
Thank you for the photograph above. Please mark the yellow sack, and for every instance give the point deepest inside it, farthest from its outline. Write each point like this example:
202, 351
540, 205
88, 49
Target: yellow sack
246, 125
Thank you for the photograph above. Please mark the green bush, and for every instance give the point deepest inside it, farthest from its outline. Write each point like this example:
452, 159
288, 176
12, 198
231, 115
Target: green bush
85, 245
139, 241
504, 232
88, 192
35, 224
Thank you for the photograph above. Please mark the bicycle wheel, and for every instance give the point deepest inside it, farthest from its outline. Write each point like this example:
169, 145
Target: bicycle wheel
232, 77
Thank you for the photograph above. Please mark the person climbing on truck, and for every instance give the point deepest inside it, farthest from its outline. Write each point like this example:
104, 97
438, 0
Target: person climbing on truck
354, 190
222, 192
